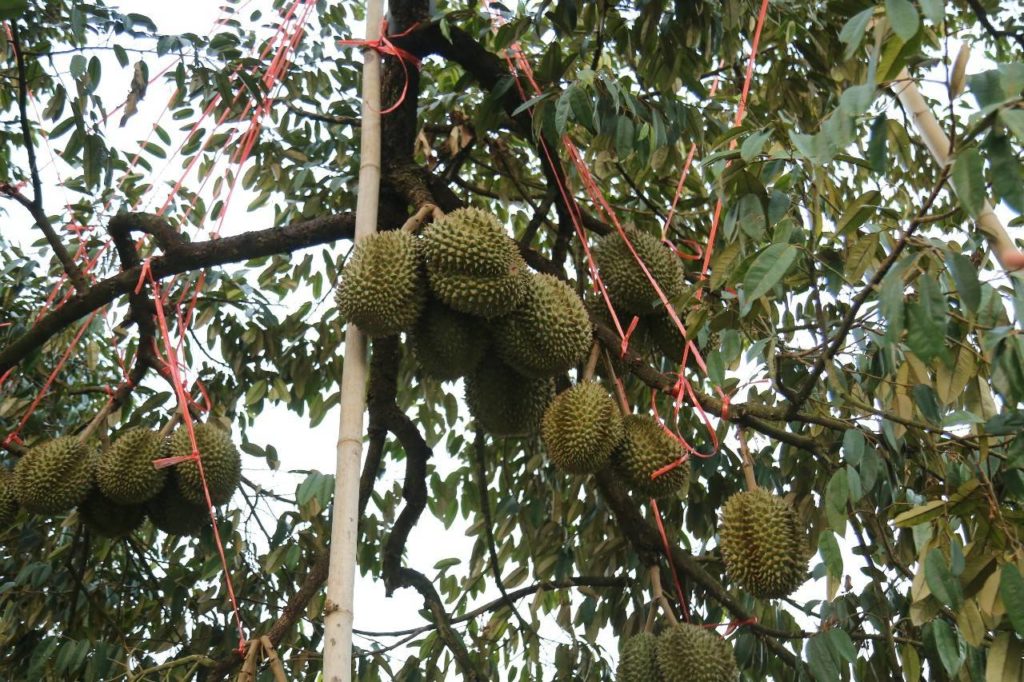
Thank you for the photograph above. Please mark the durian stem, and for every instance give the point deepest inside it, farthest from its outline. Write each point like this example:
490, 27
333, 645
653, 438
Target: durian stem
659, 594
591, 366
171, 423
748, 462
413, 224
620, 392
90, 429
652, 611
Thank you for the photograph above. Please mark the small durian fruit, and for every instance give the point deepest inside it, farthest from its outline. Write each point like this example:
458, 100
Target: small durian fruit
110, 519
125, 473
763, 546
690, 653
8, 501
548, 334
645, 449
581, 428
173, 514
505, 402
448, 344
627, 284
638, 661
473, 265
222, 465
382, 287
54, 476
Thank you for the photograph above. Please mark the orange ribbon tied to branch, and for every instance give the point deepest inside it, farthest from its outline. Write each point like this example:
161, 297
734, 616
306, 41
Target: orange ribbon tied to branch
383, 45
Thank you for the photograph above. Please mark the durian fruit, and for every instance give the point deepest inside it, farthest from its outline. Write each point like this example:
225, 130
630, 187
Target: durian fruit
581, 428
645, 449
448, 344
8, 502
222, 464
628, 286
505, 402
763, 545
125, 473
54, 476
690, 653
638, 661
546, 335
105, 517
173, 514
473, 265
382, 287
665, 336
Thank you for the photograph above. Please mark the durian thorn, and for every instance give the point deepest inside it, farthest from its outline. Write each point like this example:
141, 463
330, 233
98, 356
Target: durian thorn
620, 392
591, 366
748, 462
659, 594
101, 417
171, 423
413, 224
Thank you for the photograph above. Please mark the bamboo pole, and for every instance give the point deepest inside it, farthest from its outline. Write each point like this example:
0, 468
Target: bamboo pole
939, 145
344, 525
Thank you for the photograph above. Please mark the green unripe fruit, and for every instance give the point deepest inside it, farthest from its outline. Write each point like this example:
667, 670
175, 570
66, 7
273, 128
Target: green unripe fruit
690, 653
763, 546
581, 428
645, 449
628, 286
105, 517
505, 402
473, 265
8, 501
548, 334
222, 465
174, 515
638, 661
382, 289
448, 344
125, 473
54, 476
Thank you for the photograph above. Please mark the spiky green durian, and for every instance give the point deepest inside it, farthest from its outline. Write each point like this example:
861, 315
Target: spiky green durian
763, 546
125, 472
382, 287
108, 518
8, 501
222, 465
174, 515
54, 476
638, 661
627, 284
448, 344
690, 653
581, 428
546, 335
473, 265
645, 449
505, 402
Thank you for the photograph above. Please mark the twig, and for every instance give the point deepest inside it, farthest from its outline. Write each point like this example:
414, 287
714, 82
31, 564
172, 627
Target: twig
659, 594
748, 462
413, 224
591, 366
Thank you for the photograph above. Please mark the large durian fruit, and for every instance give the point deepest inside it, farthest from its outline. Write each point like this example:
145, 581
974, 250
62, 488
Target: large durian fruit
222, 464
125, 473
645, 449
763, 546
173, 514
8, 501
504, 402
447, 344
108, 518
638, 661
473, 265
690, 653
382, 287
628, 286
549, 333
581, 428
53, 476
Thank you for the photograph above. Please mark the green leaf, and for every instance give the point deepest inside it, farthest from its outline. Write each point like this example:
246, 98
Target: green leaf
1011, 591
860, 256
890, 302
854, 30
934, 10
1005, 659
969, 180
836, 495
947, 645
842, 645
562, 108
870, 468
926, 320
927, 402
753, 145
878, 144
858, 211
941, 581
1007, 180
770, 266
904, 18
854, 446
12, 9
830, 553
1014, 120
819, 658
623, 137
965, 275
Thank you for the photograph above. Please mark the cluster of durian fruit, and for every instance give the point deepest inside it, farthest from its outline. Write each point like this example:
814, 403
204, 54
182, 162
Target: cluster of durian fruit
471, 309
681, 653
117, 487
